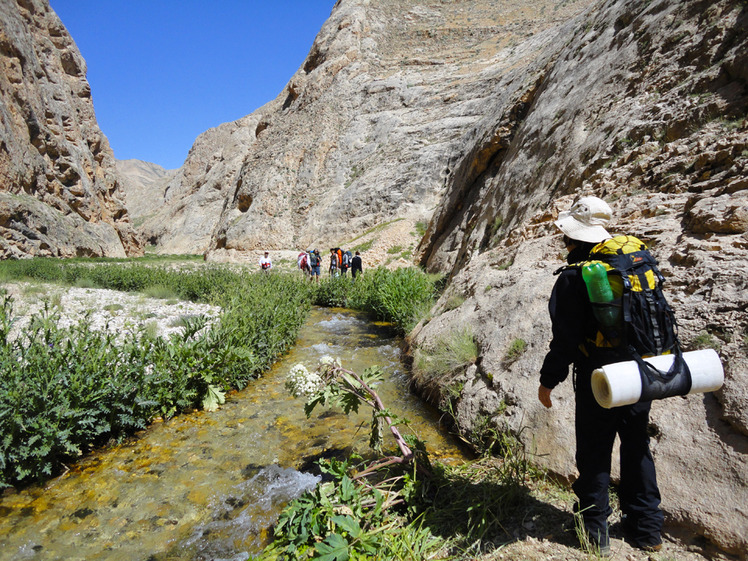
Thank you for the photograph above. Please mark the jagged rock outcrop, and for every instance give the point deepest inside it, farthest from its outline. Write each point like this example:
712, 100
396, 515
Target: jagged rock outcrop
59, 194
643, 104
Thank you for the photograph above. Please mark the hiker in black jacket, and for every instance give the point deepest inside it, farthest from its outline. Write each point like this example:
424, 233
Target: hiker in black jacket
596, 427
356, 265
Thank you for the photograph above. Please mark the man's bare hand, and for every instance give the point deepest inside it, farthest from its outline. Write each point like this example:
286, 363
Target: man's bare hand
544, 395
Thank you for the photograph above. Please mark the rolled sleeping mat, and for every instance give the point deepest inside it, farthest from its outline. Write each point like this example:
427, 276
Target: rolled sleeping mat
620, 383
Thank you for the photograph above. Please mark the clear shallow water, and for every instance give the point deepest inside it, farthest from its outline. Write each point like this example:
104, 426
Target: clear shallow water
210, 485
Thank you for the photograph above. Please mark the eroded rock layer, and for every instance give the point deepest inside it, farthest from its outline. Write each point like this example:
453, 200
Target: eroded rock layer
59, 194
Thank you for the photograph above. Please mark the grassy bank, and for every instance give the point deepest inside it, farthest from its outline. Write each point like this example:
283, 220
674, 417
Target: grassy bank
65, 389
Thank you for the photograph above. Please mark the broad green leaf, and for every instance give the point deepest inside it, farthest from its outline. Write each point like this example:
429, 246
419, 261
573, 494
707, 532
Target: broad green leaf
348, 524
334, 548
213, 398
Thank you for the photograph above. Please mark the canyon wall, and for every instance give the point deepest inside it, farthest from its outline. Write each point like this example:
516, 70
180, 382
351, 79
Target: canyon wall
643, 104
59, 192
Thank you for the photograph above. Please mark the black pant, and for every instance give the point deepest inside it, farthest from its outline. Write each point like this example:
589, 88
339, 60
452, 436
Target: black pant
596, 429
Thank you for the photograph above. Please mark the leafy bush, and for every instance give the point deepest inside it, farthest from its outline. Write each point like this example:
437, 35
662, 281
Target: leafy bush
64, 390
402, 296
343, 519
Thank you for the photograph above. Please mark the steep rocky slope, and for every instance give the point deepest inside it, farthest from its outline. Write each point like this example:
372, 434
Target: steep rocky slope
365, 131
643, 104
59, 194
144, 185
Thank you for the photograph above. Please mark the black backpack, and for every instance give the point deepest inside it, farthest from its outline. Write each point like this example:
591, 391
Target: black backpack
646, 323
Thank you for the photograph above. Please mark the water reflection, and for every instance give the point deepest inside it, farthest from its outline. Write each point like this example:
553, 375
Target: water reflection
209, 485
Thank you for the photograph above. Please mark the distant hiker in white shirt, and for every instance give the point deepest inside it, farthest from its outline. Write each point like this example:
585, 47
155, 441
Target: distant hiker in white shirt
265, 263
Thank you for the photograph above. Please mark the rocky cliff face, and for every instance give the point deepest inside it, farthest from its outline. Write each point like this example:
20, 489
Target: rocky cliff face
643, 104
366, 130
195, 199
59, 194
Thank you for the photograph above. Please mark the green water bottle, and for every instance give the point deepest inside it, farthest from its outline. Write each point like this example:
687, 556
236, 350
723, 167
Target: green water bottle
598, 287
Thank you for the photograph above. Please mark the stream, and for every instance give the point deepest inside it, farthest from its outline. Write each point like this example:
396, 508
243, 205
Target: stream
209, 485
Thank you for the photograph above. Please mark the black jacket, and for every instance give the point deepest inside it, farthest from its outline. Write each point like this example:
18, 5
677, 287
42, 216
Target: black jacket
572, 322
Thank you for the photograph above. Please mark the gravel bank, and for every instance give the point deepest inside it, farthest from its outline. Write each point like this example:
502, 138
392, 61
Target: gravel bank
114, 311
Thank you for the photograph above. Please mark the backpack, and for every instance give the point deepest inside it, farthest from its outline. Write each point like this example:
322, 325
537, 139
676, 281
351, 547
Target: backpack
346, 259
646, 323
303, 261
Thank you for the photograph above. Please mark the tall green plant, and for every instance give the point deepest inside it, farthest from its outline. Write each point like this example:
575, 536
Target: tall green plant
401, 296
64, 390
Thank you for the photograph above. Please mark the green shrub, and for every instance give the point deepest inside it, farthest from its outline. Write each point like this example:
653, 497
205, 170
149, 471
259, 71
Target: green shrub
516, 349
401, 296
451, 353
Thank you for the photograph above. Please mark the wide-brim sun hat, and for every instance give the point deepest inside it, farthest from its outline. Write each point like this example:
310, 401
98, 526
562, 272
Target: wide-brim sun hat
586, 220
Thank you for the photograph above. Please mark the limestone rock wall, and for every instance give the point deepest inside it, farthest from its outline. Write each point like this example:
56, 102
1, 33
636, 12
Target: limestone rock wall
365, 131
643, 104
59, 194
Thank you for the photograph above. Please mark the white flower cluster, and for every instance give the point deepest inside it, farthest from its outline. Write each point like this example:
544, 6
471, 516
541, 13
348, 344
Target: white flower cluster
300, 382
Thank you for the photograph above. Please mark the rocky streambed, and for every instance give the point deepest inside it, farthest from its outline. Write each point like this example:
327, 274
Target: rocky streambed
115, 311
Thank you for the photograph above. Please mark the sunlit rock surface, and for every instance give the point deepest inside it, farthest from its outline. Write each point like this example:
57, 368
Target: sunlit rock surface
59, 194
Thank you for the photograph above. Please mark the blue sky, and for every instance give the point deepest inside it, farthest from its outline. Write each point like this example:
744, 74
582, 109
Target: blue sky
164, 71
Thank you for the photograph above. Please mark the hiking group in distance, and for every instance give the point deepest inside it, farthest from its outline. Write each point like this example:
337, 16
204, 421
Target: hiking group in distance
310, 263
